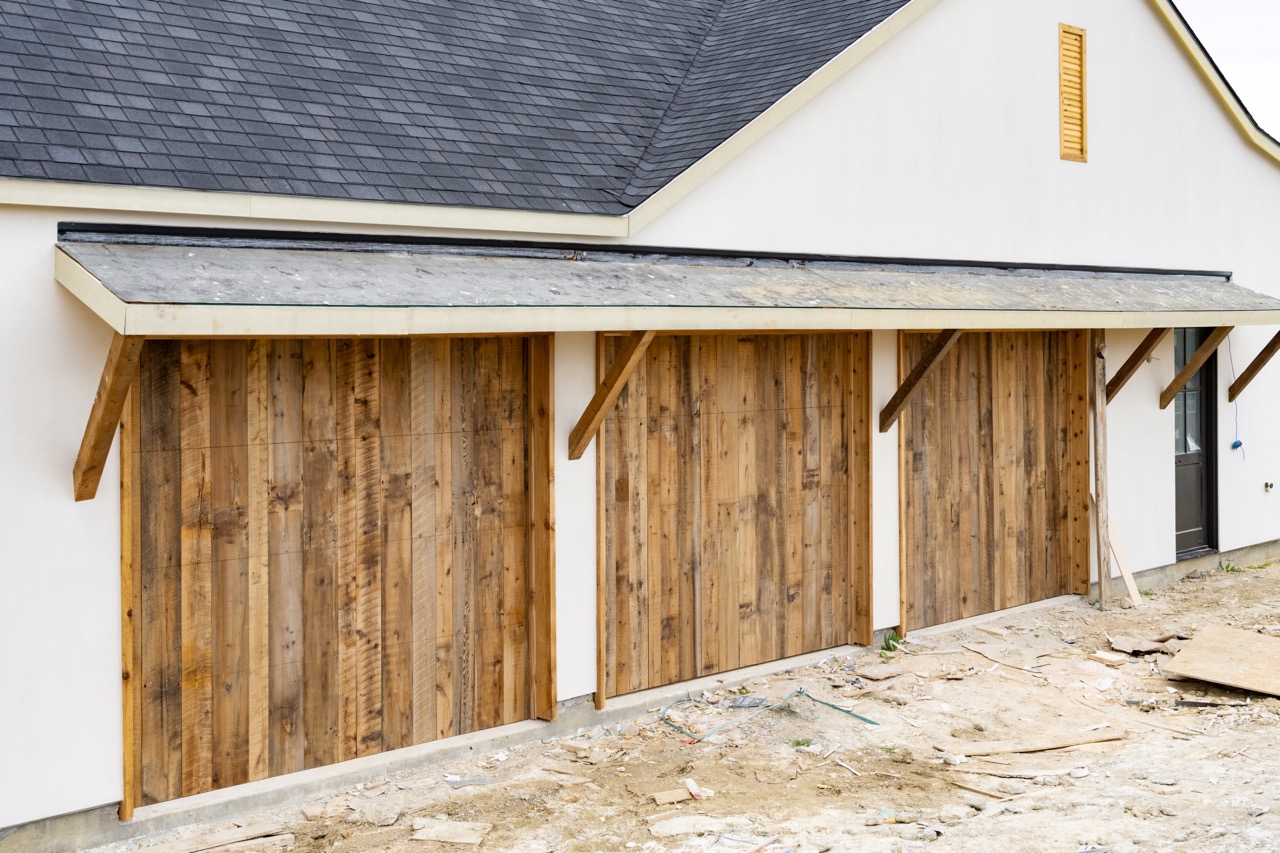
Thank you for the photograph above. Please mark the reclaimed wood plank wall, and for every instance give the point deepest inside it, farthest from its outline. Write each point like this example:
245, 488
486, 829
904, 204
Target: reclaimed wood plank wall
328, 552
995, 465
727, 502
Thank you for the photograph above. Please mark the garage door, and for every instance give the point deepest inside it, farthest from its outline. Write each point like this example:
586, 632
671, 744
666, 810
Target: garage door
995, 467
734, 489
327, 551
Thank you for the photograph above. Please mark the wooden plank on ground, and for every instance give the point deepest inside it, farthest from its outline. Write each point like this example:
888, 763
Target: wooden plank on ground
1231, 657
1038, 744
1255, 366
1197, 360
118, 375
1136, 359
624, 363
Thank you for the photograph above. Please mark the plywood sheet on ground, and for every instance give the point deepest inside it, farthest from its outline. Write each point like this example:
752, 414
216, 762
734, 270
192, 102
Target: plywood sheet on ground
1229, 656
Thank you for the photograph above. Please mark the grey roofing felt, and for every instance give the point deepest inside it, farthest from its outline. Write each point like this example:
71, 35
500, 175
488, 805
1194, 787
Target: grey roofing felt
396, 277
561, 105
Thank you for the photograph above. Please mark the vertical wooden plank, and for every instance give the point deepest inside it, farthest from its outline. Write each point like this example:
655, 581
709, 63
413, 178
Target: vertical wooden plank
605, 450
686, 633
728, 375
541, 581
321, 732
793, 615
229, 511
367, 413
742, 560
858, 408
130, 586
258, 612
424, 501
466, 506
160, 573
1098, 398
711, 474
512, 519
449, 446
286, 584
397, 495
197, 570
1077, 492
487, 582
812, 493
347, 513
634, 594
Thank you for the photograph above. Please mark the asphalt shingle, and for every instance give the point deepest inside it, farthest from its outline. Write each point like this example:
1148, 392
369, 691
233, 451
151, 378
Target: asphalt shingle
562, 105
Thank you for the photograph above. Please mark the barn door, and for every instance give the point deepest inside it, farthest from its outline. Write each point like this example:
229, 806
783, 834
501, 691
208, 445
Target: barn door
994, 475
734, 502
332, 552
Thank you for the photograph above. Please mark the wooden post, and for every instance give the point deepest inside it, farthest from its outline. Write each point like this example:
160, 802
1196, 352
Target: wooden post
1098, 400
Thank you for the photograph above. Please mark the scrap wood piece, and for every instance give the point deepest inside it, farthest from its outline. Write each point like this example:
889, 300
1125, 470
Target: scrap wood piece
451, 831
1041, 744
1231, 657
219, 838
978, 651
1140, 721
1109, 658
975, 790
258, 845
1134, 646
669, 798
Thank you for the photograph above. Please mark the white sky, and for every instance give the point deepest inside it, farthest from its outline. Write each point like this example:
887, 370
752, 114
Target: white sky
1243, 36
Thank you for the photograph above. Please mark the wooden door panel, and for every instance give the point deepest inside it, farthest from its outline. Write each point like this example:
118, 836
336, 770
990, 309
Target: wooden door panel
994, 489
333, 560
728, 506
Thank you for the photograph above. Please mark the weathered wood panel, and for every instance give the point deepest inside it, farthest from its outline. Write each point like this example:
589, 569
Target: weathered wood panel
329, 553
727, 505
994, 461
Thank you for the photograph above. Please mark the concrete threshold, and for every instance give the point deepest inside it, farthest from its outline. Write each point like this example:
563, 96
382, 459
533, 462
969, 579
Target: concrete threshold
101, 826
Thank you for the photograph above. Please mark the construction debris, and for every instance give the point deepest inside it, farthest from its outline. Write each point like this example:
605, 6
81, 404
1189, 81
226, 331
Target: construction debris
1229, 656
1042, 744
450, 831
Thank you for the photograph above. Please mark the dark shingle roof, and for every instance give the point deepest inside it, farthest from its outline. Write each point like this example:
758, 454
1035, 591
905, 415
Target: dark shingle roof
568, 105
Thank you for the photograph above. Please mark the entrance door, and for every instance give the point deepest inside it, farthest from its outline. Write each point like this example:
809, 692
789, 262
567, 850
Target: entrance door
1193, 421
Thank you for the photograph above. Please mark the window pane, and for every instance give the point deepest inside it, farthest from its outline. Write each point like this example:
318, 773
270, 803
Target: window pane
1179, 431
1192, 407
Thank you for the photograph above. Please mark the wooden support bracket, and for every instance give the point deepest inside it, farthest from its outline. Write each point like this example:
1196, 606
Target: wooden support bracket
104, 418
624, 364
941, 345
1206, 349
1254, 368
1130, 367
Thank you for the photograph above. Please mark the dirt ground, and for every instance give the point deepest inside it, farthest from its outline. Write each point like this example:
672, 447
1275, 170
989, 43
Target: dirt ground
803, 776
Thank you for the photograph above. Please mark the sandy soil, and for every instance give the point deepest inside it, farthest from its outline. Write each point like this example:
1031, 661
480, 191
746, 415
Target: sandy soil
1203, 775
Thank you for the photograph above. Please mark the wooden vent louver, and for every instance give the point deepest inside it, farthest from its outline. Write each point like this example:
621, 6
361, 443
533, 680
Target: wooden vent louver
1073, 136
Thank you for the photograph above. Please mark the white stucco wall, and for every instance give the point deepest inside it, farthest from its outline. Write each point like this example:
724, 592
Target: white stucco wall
943, 144
60, 741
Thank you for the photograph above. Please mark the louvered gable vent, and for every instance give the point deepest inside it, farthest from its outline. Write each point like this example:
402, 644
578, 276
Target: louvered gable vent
1071, 96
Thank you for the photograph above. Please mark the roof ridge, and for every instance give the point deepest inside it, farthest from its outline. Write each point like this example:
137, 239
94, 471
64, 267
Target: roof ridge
625, 191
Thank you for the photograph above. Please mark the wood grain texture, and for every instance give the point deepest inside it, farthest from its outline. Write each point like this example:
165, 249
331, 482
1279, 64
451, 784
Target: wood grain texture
1135, 360
993, 447
118, 374
1255, 367
627, 357
727, 506
333, 548
131, 670
1194, 363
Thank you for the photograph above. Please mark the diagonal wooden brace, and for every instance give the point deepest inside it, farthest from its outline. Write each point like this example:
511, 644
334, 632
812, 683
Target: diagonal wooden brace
1130, 367
1254, 368
941, 345
1197, 360
624, 364
104, 418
